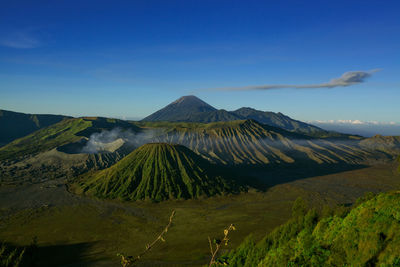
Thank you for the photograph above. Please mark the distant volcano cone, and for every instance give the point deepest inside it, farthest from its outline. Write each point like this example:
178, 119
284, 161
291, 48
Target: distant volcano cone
182, 109
157, 171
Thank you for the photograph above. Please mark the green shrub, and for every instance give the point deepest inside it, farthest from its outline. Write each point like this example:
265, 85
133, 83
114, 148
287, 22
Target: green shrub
366, 235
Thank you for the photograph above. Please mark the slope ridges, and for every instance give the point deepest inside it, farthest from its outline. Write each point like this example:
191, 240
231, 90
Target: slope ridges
249, 142
157, 171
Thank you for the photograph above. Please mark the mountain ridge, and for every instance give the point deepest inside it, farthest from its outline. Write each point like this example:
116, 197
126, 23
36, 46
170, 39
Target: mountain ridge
17, 124
192, 109
250, 143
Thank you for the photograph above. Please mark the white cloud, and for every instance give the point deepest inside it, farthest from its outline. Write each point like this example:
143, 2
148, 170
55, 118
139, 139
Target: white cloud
347, 79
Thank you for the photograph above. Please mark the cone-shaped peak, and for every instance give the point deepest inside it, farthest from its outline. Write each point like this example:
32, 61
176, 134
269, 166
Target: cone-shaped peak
157, 171
181, 109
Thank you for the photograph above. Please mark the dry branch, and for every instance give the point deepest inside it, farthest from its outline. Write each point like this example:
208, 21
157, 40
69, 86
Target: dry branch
127, 261
218, 244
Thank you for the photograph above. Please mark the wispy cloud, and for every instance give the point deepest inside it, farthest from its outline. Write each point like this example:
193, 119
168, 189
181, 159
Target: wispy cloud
354, 122
20, 40
347, 79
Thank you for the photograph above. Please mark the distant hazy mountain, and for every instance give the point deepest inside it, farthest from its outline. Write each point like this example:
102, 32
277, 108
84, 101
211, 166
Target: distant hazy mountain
14, 125
193, 109
389, 144
366, 129
279, 120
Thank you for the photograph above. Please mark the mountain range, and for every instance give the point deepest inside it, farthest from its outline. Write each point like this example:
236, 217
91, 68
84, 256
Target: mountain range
73, 146
252, 143
15, 125
192, 109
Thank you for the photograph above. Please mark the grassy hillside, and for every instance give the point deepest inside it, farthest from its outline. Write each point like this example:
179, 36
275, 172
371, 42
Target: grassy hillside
45, 139
368, 235
157, 171
15, 125
64, 132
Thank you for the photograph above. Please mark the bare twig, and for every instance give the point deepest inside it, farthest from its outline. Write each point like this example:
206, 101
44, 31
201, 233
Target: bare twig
129, 260
211, 248
218, 244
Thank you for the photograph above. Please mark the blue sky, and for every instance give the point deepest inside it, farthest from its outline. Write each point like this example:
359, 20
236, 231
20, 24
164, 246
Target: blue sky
130, 58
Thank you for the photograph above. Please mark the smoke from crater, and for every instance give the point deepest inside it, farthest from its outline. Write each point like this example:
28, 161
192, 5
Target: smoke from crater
111, 140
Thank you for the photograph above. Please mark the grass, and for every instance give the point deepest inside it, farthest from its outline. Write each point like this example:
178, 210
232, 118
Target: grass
127, 228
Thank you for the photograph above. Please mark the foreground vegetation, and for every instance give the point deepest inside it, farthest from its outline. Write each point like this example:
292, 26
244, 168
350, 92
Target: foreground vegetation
367, 235
11, 256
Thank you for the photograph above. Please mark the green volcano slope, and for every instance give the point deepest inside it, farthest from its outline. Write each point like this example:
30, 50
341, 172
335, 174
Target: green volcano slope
368, 235
157, 171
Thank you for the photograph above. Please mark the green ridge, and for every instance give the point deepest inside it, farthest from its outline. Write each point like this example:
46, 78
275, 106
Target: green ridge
45, 139
15, 125
64, 132
157, 171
